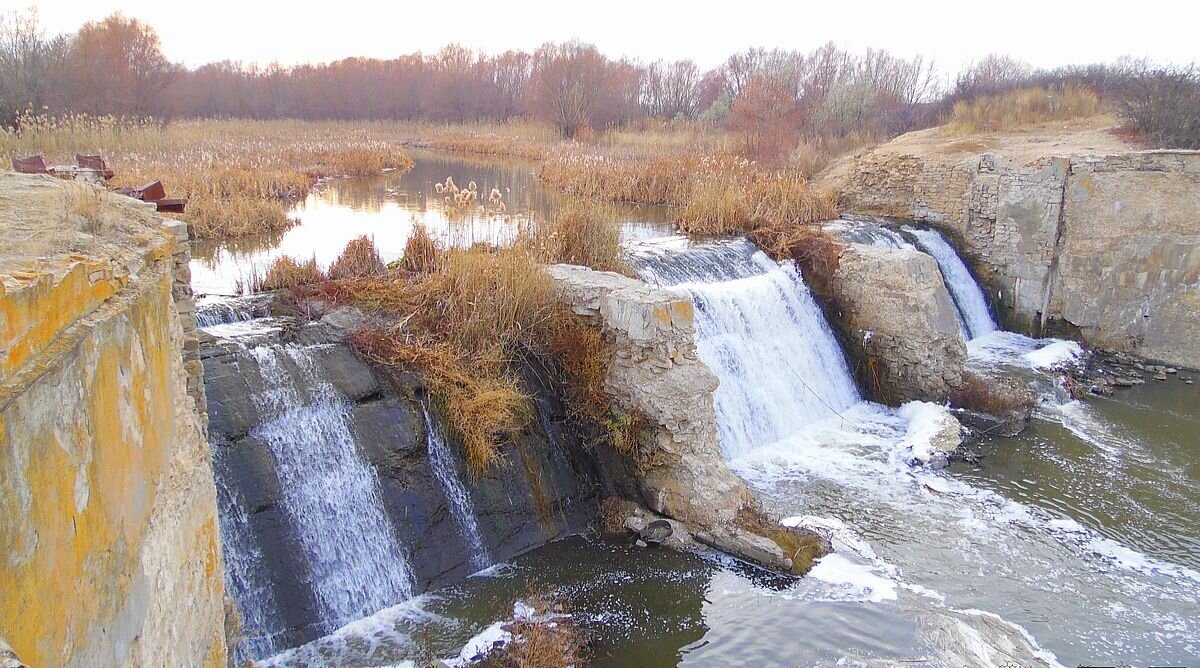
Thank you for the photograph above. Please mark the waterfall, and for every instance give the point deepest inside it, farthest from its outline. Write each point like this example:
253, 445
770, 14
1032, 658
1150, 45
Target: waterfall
245, 574
330, 493
761, 332
442, 462
968, 297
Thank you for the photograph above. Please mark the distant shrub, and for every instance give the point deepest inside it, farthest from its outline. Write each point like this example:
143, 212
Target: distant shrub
1162, 105
360, 259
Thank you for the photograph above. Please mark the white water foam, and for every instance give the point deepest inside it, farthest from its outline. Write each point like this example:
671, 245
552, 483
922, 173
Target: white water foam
331, 493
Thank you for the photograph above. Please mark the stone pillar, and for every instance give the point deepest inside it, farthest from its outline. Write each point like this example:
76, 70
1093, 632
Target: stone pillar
185, 306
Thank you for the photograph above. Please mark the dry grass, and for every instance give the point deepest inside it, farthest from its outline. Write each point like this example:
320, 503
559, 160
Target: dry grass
286, 273
1002, 398
719, 193
421, 254
802, 547
467, 319
83, 205
239, 176
581, 233
816, 251
525, 140
464, 325
655, 180
1021, 108
360, 259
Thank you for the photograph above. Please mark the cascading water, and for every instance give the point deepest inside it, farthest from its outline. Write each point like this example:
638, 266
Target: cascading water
960, 546
972, 305
761, 332
442, 462
245, 575
215, 311
331, 494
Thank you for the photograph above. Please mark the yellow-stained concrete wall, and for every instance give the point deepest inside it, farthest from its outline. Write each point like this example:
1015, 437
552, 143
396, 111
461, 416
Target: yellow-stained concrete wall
107, 504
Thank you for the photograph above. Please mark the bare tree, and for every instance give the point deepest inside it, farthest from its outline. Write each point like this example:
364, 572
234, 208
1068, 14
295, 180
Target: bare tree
29, 64
564, 85
117, 66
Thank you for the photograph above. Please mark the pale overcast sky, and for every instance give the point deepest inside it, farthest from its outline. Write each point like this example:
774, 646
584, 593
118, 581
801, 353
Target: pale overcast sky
1042, 32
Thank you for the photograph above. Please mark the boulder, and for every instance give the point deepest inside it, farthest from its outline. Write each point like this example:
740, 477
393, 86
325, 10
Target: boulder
901, 320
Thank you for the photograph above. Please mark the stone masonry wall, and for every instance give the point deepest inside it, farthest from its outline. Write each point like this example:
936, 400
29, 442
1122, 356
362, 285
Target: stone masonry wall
1090, 242
107, 504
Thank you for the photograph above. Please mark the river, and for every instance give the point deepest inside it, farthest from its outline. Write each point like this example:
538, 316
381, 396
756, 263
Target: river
1080, 537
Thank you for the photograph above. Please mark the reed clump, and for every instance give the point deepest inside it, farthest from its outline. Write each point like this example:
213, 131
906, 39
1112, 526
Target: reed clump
1021, 108
469, 319
581, 233
421, 254
717, 193
287, 273
465, 324
360, 259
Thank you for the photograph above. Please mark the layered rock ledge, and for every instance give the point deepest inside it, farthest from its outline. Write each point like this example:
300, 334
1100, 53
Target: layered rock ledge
107, 505
901, 322
1073, 235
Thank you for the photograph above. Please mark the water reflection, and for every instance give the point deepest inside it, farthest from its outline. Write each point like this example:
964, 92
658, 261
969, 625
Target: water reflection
386, 207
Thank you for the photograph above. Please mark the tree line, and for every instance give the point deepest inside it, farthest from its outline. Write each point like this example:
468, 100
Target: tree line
116, 67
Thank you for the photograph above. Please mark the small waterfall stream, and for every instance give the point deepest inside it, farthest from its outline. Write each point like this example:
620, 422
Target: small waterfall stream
761, 332
245, 574
968, 297
331, 494
442, 462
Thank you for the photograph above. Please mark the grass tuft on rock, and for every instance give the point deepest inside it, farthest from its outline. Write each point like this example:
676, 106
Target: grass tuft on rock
286, 273
802, 546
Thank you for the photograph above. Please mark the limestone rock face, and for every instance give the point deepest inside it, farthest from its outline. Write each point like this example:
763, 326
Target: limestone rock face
901, 320
1106, 245
656, 372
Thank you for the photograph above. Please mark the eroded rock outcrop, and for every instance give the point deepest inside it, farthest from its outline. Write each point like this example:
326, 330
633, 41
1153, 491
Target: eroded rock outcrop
656, 374
1100, 243
901, 322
